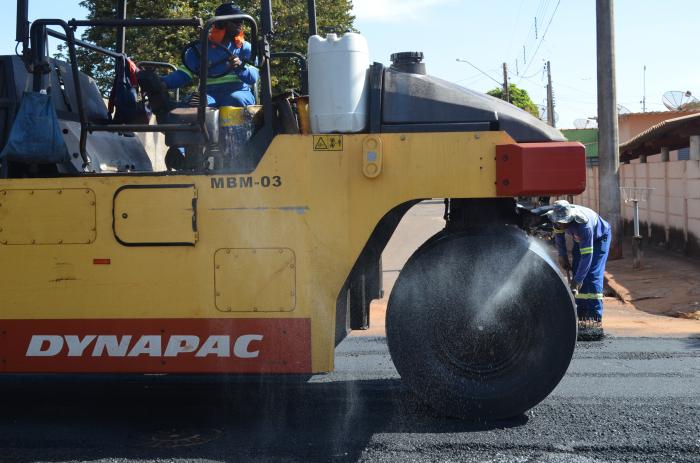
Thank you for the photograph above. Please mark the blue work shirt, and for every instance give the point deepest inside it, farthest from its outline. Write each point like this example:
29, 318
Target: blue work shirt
583, 234
242, 78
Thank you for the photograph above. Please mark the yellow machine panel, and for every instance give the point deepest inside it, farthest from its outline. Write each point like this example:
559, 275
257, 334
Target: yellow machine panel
47, 216
156, 214
255, 280
155, 250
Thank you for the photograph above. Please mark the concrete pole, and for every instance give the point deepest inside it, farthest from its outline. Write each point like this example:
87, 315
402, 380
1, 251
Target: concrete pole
694, 148
608, 139
550, 97
506, 86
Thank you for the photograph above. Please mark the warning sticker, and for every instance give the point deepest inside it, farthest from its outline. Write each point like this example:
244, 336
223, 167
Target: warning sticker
328, 143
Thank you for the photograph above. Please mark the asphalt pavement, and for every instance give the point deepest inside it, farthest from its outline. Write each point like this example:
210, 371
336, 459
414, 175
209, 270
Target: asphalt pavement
623, 399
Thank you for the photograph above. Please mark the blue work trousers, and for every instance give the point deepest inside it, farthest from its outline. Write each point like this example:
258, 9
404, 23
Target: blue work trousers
227, 95
589, 300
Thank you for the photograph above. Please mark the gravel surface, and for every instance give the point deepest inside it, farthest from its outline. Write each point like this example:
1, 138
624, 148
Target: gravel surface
623, 399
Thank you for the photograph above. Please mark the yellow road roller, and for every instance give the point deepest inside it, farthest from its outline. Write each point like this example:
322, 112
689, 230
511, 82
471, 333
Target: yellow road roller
259, 260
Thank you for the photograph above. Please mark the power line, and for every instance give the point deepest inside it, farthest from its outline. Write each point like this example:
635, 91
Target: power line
515, 27
473, 76
461, 60
543, 36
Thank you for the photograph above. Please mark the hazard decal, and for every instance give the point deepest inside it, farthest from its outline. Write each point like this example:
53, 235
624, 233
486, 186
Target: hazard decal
328, 143
280, 345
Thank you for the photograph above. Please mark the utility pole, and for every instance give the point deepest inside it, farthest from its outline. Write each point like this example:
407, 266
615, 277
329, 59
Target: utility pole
608, 138
506, 87
550, 97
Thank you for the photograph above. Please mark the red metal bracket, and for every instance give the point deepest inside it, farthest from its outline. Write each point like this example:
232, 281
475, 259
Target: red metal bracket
540, 169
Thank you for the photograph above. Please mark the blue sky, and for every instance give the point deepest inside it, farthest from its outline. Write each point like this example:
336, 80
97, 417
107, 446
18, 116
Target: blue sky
661, 35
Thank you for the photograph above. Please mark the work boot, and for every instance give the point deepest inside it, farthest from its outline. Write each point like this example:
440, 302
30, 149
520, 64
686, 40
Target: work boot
590, 329
155, 90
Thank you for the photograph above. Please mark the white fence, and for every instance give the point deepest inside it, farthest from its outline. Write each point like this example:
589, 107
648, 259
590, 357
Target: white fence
672, 214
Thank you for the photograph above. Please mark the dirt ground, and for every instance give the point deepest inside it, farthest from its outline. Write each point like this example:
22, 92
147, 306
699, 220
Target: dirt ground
667, 283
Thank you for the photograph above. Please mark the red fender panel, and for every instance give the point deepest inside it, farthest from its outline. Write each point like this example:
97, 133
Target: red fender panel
540, 169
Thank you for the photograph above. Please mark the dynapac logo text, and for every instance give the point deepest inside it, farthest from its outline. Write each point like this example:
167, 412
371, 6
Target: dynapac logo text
46, 345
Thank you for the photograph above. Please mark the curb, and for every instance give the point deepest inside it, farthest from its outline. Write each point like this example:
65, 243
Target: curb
619, 291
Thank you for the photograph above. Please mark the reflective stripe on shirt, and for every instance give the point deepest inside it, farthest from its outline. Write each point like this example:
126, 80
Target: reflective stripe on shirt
589, 296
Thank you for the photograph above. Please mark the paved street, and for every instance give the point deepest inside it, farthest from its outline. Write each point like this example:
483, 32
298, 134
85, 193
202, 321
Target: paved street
632, 399
626, 399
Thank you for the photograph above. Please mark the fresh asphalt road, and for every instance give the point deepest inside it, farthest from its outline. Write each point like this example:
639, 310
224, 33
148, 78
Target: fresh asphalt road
623, 399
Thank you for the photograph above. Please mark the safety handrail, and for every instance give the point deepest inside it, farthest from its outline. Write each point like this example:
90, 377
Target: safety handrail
302, 65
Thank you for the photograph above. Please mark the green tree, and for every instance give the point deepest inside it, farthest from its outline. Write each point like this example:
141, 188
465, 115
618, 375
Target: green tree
518, 97
290, 23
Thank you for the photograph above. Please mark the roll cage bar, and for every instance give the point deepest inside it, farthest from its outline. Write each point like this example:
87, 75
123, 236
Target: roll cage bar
35, 59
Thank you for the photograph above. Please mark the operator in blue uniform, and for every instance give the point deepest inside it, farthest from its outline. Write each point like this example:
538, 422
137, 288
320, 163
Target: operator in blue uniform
236, 76
591, 236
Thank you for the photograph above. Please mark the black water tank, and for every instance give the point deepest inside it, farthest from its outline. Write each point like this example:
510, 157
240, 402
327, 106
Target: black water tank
408, 61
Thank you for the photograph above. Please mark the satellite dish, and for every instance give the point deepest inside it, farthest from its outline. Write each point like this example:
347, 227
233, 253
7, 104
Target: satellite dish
623, 109
542, 109
676, 100
581, 123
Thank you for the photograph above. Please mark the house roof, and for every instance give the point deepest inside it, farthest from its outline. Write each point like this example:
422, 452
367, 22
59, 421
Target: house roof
671, 133
684, 112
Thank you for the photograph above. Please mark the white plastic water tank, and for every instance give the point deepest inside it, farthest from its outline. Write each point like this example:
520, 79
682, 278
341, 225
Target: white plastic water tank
338, 83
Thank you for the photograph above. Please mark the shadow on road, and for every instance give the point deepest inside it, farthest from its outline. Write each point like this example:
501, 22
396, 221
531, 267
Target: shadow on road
331, 421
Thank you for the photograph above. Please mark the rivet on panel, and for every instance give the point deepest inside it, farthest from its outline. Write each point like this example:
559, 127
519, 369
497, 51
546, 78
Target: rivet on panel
92, 203
228, 251
402, 138
218, 294
477, 136
60, 191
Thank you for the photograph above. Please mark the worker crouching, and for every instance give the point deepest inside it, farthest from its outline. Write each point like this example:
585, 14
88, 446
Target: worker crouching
591, 237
